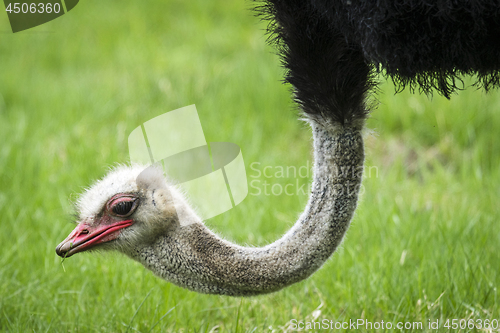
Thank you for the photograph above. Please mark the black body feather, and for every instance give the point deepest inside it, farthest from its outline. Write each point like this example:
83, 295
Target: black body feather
332, 48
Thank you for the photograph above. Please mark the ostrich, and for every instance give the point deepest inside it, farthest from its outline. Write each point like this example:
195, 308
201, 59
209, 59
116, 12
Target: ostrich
332, 50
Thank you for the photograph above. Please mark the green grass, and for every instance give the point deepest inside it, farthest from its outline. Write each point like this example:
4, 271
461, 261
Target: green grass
423, 244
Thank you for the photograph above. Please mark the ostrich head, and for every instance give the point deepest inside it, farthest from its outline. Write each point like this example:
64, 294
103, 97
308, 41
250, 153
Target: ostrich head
130, 206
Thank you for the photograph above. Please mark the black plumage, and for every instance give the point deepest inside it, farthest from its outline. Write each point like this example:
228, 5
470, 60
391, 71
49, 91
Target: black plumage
332, 48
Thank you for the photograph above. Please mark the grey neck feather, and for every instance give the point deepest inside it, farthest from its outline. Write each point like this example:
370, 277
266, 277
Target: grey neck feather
195, 258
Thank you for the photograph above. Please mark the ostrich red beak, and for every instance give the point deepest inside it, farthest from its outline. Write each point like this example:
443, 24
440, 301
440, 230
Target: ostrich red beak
84, 237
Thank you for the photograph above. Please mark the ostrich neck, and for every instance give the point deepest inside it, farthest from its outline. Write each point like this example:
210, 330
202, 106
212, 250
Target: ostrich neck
195, 258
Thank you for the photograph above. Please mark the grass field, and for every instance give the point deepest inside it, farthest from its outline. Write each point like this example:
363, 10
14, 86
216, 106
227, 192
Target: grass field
422, 246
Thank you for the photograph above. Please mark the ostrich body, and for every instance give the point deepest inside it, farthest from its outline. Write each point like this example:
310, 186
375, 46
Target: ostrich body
330, 65
425, 44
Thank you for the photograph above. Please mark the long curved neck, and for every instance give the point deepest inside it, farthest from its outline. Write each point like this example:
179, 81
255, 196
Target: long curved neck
194, 257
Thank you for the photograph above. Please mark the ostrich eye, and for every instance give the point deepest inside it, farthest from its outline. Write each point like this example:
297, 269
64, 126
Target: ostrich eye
124, 207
